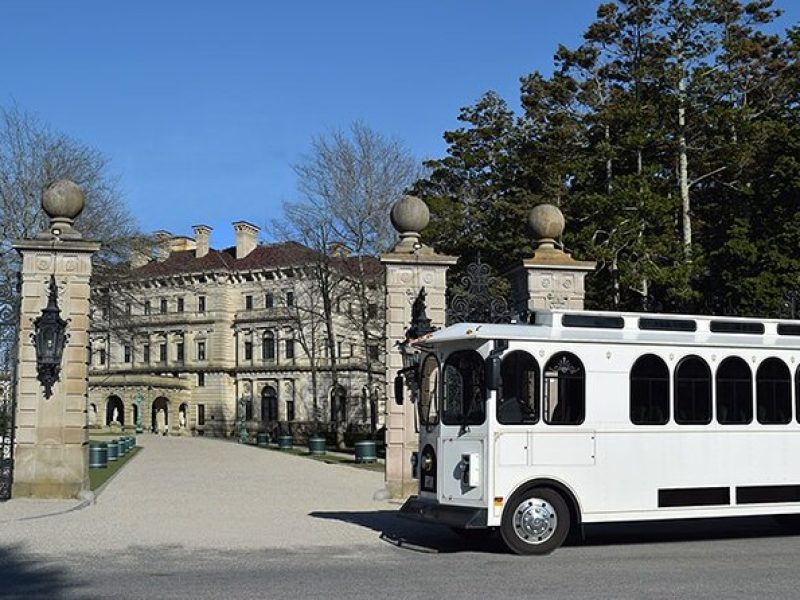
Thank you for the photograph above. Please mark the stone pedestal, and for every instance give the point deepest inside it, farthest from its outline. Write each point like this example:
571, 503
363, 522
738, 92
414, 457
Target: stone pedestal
52, 437
551, 278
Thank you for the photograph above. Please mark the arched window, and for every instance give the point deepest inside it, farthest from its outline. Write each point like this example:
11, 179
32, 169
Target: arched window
338, 405
269, 404
692, 392
464, 389
649, 391
734, 392
773, 396
518, 400
564, 391
268, 346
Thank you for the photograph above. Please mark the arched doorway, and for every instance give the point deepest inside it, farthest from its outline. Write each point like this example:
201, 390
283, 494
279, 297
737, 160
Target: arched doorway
159, 422
115, 410
339, 404
269, 404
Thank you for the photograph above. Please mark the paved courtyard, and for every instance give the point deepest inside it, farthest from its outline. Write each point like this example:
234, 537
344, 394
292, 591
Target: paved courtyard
201, 518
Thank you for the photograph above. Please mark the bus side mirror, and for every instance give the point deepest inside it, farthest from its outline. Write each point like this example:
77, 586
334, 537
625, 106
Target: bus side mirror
493, 372
399, 389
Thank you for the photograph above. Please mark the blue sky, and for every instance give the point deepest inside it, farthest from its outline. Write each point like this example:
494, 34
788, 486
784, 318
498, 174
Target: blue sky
202, 107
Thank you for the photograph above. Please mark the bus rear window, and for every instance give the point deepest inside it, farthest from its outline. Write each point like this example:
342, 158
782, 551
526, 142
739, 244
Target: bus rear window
464, 389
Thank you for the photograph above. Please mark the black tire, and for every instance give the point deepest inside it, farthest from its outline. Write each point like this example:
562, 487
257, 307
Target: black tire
535, 521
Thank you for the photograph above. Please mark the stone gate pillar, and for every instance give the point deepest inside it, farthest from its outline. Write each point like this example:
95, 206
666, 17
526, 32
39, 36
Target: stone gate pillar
409, 267
551, 278
52, 437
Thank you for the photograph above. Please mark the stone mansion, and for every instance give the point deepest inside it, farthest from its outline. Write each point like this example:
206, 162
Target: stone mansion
192, 339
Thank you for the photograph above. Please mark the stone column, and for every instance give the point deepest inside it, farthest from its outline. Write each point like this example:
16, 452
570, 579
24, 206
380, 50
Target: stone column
409, 267
551, 278
52, 452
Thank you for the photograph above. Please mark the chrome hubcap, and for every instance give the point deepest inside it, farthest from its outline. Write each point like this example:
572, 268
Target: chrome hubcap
535, 521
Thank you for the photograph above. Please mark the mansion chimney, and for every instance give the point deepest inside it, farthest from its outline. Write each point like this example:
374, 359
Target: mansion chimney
202, 234
246, 238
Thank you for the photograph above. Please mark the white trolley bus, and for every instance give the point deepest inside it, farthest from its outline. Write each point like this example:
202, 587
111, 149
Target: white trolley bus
586, 417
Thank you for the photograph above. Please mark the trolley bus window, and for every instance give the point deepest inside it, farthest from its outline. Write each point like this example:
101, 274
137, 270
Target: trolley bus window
564, 393
649, 392
734, 392
464, 389
773, 398
518, 400
429, 392
692, 392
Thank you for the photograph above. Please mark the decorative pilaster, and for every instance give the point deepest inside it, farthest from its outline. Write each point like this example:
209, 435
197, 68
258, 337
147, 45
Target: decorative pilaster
410, 267
52, 437
551, 278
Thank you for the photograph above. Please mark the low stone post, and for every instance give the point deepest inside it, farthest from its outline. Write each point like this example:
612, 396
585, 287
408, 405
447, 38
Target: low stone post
52, 453
551, 278
409, 267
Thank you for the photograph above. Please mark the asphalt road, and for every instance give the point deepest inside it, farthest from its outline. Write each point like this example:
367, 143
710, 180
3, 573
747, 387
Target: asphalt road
274, 536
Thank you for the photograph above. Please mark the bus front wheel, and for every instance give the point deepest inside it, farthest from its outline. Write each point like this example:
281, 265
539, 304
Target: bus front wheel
535, 521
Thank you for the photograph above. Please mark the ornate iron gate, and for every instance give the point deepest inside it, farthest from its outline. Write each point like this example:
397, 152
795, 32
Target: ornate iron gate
478, 300
9, 303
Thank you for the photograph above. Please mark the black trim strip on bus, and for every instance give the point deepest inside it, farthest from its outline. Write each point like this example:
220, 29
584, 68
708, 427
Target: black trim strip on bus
788, 329
600, 322
706, 496
652, 324
766, 494
737, 327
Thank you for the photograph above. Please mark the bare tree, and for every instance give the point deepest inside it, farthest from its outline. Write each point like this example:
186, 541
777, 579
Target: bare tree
348, 183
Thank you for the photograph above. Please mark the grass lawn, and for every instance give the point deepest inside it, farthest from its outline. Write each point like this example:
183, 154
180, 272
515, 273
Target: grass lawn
331, 459
98, 477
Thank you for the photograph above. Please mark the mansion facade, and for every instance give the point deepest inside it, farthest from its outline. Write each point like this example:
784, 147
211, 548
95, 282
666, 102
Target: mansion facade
194, 340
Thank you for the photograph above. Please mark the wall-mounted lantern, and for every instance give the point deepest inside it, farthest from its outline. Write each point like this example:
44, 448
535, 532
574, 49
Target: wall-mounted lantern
49, 338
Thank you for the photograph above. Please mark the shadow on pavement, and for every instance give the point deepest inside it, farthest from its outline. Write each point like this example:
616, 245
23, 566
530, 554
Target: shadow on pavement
439, 538
26, 576
410, 534
685, 530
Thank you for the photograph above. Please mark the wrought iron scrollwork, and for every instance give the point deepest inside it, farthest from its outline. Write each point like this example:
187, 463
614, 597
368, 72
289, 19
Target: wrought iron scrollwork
9, 324
477, 302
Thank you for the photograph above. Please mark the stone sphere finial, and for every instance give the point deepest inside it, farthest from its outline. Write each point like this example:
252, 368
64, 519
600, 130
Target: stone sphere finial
409, 216
63, 201
547, 223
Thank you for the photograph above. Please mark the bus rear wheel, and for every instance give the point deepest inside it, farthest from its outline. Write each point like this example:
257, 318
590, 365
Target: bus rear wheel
535, 521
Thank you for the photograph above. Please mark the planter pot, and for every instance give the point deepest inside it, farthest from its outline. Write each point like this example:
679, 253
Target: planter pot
98, 456
123, 447
262, 439
113, 450
285, 442
317, 446
366, 452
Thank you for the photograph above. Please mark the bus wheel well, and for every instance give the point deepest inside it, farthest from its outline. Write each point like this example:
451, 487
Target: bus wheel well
576, 532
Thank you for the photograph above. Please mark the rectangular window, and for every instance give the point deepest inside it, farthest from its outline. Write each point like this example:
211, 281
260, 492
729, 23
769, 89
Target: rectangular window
128, 353
290, 410
374, 352
268, 348
201, 380
269, 300
102, 356
180, 304
339, 349
248, 303
147, 307
248, 350
163, 306
146, 353
201, 414
372, 310
128, 308
201, 350
289, 298
162, 353
201, 304
289, 348
179, 351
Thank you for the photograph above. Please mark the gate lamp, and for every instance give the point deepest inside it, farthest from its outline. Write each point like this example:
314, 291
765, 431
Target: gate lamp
49, 338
